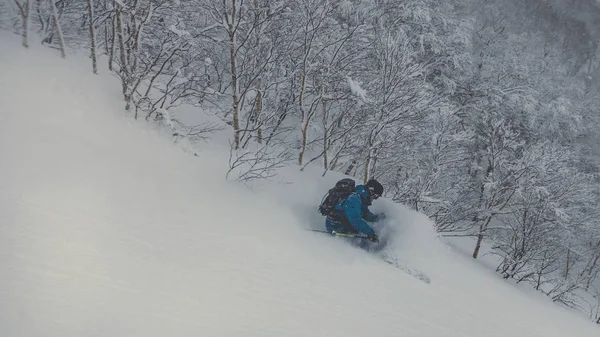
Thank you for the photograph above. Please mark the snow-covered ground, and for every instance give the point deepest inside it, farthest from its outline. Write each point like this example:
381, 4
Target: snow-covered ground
108, 229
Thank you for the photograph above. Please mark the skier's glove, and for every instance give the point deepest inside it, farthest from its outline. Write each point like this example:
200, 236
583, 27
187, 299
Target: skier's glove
373, 239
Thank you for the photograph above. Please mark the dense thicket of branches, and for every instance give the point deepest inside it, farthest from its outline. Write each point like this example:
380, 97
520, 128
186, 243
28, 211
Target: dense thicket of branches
481, 115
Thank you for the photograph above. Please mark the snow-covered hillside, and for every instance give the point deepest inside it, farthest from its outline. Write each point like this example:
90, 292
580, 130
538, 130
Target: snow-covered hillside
108, 229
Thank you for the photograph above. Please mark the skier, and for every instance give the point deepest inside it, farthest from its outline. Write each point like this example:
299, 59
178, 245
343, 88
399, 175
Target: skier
347, 208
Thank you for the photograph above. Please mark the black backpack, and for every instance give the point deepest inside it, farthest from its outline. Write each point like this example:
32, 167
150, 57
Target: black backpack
341, 191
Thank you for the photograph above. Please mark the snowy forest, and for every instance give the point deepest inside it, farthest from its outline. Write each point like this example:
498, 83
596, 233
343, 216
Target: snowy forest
482, 114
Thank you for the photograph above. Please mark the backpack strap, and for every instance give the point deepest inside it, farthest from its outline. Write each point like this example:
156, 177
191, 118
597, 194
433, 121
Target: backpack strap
342, 219
349, 195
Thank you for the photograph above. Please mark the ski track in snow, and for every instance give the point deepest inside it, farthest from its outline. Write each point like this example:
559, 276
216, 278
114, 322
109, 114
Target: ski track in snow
107, 229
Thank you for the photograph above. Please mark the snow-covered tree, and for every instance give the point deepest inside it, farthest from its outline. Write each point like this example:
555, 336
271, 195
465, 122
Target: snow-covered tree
59, 33
92, 19
25, 14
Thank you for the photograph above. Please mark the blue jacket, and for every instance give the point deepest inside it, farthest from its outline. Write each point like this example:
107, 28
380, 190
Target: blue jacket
354, 210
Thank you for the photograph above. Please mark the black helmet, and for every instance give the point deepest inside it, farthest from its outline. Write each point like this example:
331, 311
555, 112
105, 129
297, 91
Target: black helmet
374, 187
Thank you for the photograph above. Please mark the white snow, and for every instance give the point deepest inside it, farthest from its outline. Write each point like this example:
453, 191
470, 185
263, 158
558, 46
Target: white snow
108, 229
357, 89
178, 32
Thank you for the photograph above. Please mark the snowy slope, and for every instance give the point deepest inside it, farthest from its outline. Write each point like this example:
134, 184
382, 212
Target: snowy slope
107, 229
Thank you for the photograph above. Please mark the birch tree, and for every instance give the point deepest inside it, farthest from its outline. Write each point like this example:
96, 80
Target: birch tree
246, 30
92, 19
61, 39
25, 14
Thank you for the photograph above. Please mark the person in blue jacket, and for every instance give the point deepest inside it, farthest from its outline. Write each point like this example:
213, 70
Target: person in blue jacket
352, 213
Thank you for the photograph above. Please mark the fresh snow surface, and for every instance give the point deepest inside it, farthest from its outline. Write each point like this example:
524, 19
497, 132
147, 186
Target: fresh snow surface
108, 229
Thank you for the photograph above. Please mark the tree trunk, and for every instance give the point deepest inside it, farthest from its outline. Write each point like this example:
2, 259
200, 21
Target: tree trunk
302, 120
61, 40
25, 11
325, 137
122, 53
366, 170
591, 271
111, 52
92, 36
303, 140
478, 245
568, 266
234, 84
350, 168
257, 45
106, 36
257, 116
482, 229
